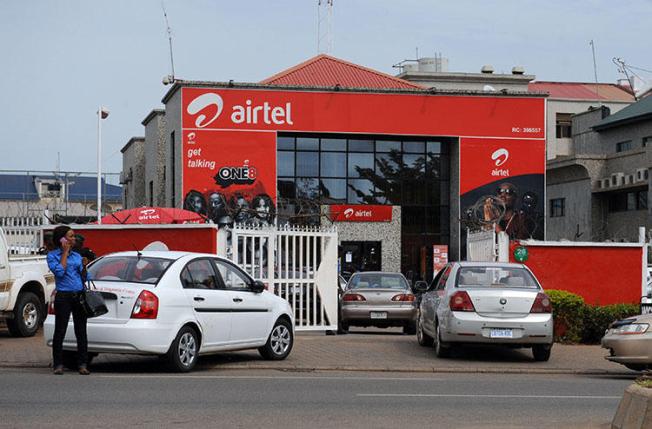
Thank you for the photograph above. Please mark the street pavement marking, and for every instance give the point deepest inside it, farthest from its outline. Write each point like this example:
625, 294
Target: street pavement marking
446, 395
269, 377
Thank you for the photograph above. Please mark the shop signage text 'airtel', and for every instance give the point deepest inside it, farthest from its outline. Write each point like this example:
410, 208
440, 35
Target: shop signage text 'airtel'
249, 113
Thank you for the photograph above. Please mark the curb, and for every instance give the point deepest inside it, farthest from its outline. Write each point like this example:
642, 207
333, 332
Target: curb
417, 370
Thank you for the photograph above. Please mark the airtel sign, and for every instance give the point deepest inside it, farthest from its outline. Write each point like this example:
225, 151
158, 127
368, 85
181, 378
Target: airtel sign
360, 213
249, 113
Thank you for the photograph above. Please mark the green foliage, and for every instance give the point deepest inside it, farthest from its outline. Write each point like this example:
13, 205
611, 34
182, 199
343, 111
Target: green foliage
576, 321
598, 318
568, 313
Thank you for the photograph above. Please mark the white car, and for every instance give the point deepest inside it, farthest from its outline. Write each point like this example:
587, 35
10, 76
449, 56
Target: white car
181, 305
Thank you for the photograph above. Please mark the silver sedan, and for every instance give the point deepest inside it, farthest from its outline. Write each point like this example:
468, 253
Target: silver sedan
378, 299
629, 342
485, 303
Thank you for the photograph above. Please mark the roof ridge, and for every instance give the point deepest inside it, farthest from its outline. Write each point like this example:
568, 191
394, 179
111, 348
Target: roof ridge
340, 61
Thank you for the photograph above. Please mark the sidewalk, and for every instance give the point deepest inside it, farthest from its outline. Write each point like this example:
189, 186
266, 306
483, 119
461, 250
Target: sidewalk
361, 350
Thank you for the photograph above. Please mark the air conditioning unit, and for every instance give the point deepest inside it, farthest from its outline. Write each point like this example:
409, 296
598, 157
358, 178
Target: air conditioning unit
125, 177
617, 179
641, 174
629, 179
605, 183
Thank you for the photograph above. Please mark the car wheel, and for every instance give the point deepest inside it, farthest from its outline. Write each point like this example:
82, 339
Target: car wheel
27, 316
183, 353
70, 360
280, 341
442, 349
424, 339
541, 352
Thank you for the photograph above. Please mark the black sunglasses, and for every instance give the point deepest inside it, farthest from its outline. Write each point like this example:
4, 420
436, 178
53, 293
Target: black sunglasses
506, 191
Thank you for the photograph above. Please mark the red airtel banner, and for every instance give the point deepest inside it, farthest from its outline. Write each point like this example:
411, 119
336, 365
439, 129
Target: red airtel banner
374, 113
360, 213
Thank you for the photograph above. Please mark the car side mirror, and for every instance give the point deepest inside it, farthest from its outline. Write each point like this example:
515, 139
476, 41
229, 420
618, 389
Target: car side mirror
421, 286
258, 286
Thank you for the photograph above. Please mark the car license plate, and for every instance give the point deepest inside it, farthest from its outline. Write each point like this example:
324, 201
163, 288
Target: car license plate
501, 333
646, 308
378, 315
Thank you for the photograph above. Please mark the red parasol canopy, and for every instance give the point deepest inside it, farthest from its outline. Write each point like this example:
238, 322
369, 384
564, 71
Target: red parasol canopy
151, 215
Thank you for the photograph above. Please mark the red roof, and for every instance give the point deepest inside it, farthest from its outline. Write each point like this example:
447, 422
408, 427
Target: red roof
324, 70
583, 91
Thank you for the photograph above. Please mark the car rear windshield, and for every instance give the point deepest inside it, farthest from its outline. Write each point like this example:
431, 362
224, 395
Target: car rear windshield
131, 269
506, 277
377, 281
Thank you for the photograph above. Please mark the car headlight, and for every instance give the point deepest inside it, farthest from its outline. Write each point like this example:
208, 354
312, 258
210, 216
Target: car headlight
631, 329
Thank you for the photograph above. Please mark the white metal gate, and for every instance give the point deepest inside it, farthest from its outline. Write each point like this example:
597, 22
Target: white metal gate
298, 264
487, 246
24, 234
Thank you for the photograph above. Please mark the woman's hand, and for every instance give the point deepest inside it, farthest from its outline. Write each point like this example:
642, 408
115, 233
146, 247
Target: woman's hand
66, 246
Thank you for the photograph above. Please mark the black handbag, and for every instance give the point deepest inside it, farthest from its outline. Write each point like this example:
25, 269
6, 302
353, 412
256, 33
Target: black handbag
92, 301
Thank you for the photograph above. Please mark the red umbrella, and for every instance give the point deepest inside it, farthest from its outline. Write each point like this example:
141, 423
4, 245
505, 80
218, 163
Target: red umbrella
150, 215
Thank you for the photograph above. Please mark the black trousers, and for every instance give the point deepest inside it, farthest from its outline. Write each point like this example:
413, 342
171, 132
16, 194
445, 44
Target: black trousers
64, 304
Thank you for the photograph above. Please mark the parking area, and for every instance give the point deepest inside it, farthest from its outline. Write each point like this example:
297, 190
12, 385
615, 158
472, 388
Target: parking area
364, 349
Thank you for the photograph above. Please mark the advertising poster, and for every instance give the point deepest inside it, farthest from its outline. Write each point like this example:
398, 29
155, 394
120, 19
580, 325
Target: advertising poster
230, 177
502, 183
439, 257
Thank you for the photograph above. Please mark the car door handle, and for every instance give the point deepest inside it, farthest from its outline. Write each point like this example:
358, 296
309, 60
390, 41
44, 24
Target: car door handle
199, 298
237, 299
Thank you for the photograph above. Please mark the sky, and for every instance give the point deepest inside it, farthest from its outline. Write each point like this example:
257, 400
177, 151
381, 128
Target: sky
62, 59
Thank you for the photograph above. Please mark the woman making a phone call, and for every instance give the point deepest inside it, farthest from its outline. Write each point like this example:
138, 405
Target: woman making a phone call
69, 273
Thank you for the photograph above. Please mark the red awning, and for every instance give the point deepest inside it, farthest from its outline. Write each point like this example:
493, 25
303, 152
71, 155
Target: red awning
152, 215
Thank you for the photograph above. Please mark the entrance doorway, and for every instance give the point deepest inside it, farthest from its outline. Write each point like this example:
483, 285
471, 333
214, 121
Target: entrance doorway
359, 256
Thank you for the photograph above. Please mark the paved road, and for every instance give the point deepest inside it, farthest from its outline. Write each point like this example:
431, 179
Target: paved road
362, 350
278, 399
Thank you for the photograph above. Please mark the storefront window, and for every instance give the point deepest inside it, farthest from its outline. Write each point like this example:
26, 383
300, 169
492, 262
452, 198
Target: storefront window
413, 147
307, 188
360, 191
307, 164
388, 145
359, 162
285, 163
307, 143
285, 143
333, 164
387, 164
361, 145
333, 191
333, 145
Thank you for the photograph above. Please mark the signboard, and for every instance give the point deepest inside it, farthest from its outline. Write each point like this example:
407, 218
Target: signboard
360, 213
502, 183
439, 257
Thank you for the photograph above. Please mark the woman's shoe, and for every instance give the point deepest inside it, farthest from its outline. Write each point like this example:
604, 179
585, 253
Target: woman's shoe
83, 370
58, 370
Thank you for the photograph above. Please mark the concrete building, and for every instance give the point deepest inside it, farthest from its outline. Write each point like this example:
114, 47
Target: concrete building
69, 197
132, 177
155, 139
601, 191
328, 141
564, 98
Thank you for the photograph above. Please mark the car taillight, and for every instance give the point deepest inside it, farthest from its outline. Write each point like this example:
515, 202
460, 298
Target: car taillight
146, 306
461, 301
51, 303
541, 304
353, 297
403, 297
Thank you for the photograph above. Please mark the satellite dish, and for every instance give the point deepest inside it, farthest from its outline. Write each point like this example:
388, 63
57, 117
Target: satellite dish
157, 246
489, 88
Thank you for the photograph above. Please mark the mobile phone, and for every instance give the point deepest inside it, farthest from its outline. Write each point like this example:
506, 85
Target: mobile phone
63, 240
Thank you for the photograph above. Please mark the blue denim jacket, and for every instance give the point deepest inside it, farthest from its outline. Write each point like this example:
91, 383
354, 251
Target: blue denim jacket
70, 279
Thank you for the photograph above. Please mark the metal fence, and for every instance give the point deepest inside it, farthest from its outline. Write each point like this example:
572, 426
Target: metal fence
298, 264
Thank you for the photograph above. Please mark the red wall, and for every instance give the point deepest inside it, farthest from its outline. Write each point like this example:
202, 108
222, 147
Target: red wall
601, 275
103, 240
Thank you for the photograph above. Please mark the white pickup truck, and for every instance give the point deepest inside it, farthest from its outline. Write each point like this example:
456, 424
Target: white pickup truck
26, 285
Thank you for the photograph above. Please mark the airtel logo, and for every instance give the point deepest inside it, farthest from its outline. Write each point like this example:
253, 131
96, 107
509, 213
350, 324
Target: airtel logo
249, 113
147, 211
500, 156
348, 213
202, 102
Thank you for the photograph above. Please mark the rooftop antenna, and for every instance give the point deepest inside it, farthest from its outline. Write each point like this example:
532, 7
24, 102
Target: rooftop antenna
595, 72
324, 26
169, 31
